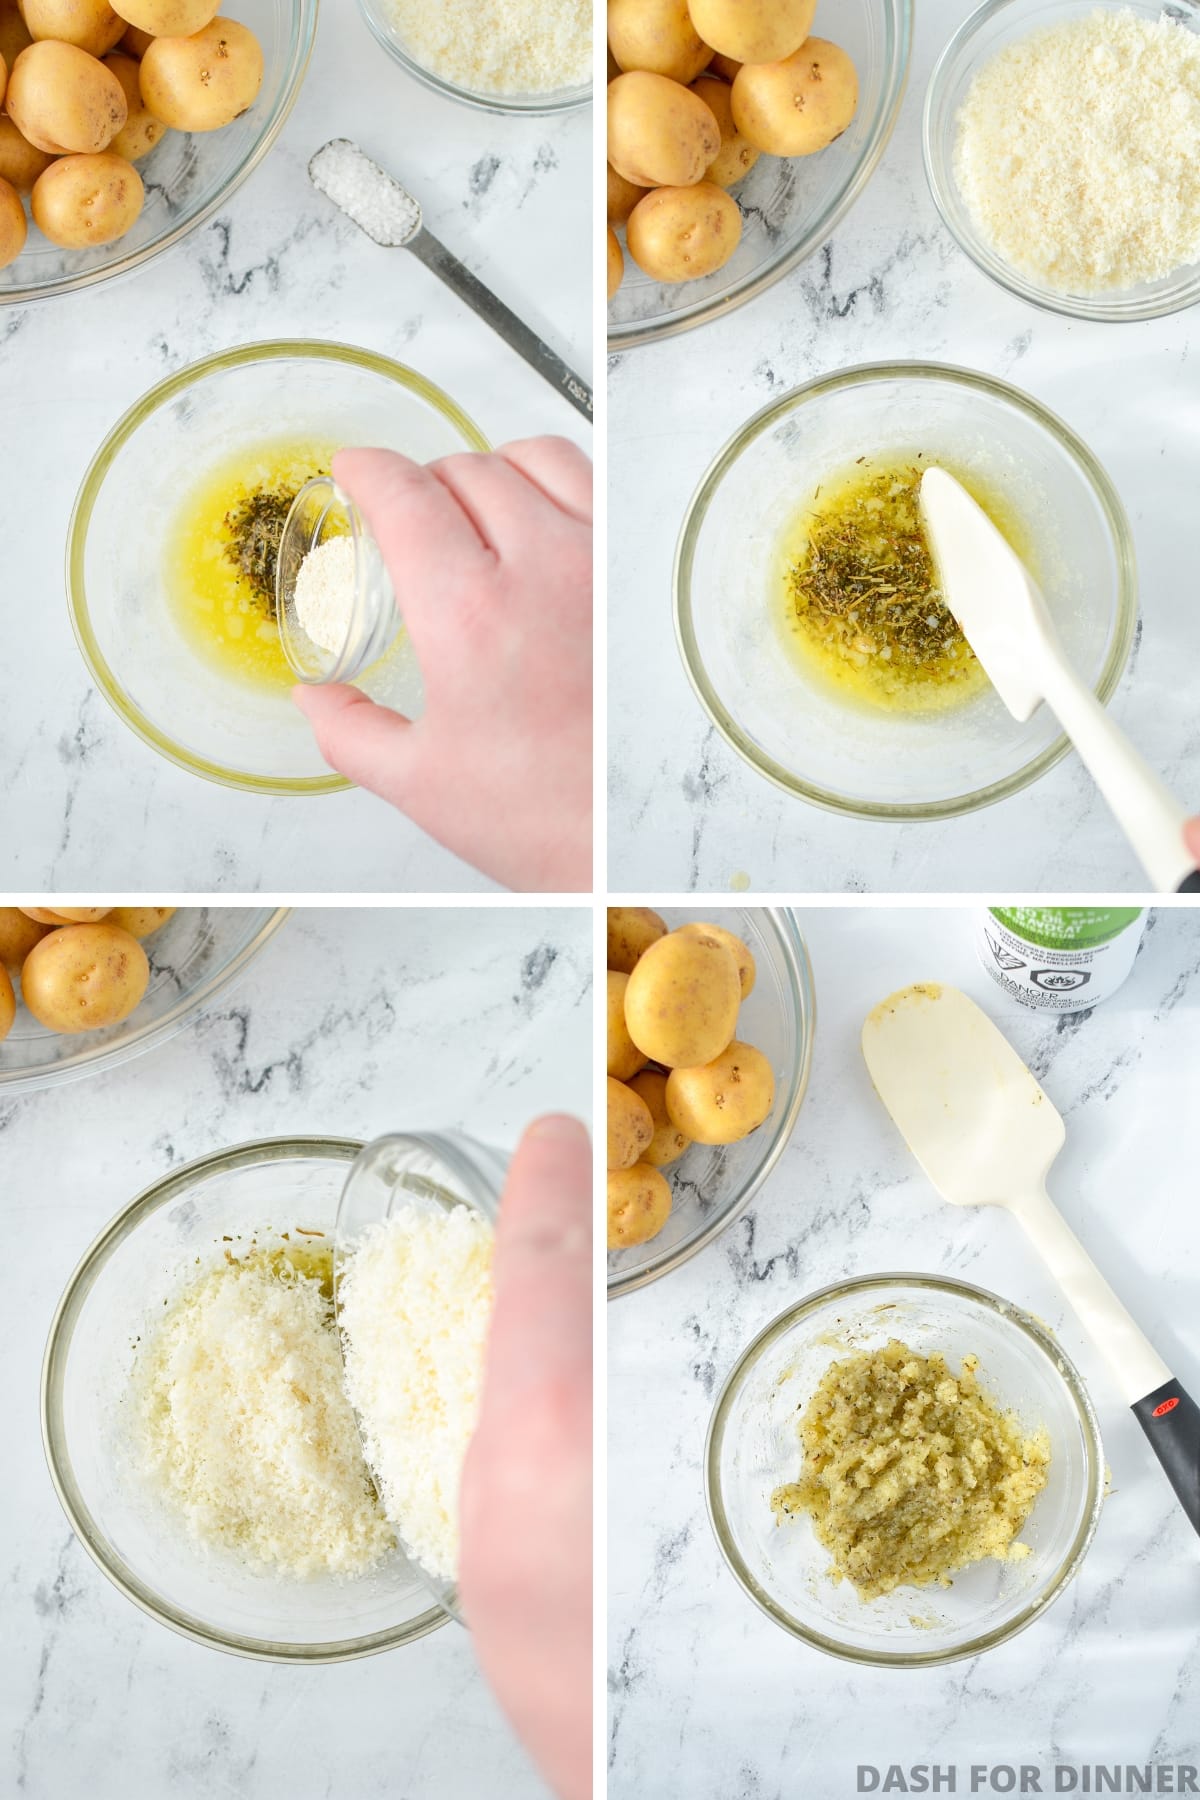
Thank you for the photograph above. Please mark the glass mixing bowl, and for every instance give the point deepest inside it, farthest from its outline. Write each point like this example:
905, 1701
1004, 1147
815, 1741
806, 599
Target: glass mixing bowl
188, 175
135, 1264
754, 1447
239, 735
196, 955
978, 38
800, 735
789, 206
386, 32
713, 1184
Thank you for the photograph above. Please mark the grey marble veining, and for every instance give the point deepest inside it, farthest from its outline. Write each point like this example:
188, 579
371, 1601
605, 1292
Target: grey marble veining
710, 1699
685, 811
351, 1023
87, 805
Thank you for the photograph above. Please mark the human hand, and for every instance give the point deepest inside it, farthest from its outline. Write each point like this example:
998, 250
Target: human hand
525, 1572
1191, 837
491, 560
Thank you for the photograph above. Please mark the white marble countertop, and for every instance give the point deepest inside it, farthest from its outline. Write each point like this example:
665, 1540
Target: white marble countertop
484, 1019
708, 1697
685, 811
87, 805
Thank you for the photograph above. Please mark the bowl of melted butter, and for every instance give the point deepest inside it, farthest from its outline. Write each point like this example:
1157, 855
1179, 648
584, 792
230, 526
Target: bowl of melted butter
171, 550
807, 608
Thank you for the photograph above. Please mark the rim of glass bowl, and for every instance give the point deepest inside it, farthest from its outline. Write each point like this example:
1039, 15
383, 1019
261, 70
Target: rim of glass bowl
58, 1461
796, 959
270, 349
526, 105
861, 375
1110, 309
898, 50
304, 33
154, 1031
1041, 1339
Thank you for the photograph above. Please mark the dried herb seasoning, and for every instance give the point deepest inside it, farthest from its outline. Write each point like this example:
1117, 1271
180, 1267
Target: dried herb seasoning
255, 526
865, 584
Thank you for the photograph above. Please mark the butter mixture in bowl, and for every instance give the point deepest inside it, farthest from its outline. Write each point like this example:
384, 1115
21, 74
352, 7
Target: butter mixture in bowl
903, 1470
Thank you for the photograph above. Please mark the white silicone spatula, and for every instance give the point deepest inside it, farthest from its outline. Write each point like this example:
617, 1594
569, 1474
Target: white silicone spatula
1006, 622
986, 1134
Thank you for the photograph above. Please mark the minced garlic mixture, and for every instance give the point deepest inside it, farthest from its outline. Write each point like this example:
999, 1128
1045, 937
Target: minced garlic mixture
910, 1472
242, 1424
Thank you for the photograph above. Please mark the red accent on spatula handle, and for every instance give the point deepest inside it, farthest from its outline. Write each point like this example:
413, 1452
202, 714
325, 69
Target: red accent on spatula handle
1171, 1421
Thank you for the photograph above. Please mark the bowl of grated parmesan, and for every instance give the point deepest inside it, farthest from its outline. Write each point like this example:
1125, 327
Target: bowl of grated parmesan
1062, 149
513, 56
199, 1426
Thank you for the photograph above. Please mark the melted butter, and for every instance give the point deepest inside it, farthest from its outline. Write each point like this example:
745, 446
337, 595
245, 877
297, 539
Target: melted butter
224, 621
911, 659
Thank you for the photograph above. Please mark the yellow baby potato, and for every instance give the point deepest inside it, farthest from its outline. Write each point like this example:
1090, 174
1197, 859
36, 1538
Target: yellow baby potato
736, 157
84, 976
681, 1004
8, 1002
668, 1143
798, 106
205, 81
657, 35
3, 77
92, 25
659, 134
631, 931
616, 262
168, 18
679, 233
141, 921
18, 934
44, 915
741, 952
83, 200
141, 130
62, 100
639, 1205
135, 43
753, 31
82, 915
20, 161
724, 66
624, 1057
13, 229
623, 196
630, 1127
726, 1099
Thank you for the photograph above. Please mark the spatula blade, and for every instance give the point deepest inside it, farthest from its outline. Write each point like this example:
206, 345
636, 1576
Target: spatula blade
988, 589
964, 1102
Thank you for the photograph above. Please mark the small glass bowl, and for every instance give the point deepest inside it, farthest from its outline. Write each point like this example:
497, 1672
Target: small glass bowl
189, 175
987, 30
320, 513
238, 735
713, 1184
754, 1447
790, 206
799, 734
443, 1169
135, 1264
194, 957
386, 33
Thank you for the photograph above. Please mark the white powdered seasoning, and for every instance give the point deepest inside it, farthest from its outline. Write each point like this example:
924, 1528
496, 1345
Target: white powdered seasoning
243, 1426
1078, 151
500, 46
325, 589
414, 1303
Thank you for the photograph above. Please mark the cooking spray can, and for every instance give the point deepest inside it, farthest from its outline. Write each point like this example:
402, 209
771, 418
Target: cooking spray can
1058, 958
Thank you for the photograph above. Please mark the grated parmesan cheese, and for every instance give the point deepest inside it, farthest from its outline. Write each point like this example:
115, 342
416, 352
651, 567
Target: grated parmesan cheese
500, 46
326, 584
243, 1424
1078, 151
414, 1301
